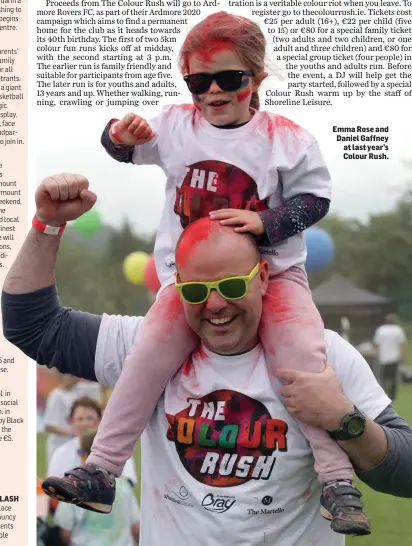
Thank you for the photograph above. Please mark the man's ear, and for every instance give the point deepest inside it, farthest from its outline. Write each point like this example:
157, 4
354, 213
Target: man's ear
257, 80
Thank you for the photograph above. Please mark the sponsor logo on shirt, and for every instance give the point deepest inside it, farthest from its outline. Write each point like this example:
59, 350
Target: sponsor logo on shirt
264, 511
218, 503
271, 252
178, 494
266, 501
226, 438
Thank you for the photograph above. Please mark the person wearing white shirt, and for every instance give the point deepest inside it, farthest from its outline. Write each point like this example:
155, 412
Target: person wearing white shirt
85, 414
85, 528
223, 459
56, 414
390, 341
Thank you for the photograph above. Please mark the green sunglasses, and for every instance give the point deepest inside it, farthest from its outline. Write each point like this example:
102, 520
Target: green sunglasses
232, 288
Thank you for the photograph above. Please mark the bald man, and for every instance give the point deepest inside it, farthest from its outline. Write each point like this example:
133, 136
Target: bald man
223, 459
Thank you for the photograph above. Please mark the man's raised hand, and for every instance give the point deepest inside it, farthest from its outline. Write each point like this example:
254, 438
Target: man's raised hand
63, 197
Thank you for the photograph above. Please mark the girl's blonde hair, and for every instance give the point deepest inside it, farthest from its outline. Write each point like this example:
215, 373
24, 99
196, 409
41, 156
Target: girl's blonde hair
244, 35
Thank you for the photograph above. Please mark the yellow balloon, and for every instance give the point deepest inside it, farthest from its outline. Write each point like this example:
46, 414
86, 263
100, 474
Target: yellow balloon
134, 267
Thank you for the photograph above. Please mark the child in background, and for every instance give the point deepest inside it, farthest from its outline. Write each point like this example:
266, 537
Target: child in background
252, 170
57, 413
85, 414
81, 528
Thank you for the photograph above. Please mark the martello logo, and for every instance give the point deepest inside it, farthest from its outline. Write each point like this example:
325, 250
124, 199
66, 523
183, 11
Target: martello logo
211, 185
226, 438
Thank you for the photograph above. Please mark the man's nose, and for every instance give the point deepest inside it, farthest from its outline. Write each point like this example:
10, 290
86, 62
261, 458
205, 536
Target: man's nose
215, 302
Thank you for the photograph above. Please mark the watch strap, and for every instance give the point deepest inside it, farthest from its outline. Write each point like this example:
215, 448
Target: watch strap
343, 433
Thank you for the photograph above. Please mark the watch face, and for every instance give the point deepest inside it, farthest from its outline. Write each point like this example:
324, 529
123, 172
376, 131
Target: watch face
355, 425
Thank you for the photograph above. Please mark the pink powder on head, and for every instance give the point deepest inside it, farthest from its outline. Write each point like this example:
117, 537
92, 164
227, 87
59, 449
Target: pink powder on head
209, 51
192, 236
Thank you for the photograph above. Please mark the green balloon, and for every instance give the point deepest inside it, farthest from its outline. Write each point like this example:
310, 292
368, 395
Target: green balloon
89, 223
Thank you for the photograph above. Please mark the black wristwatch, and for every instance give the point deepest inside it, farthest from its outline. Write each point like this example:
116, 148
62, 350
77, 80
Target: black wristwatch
352, 426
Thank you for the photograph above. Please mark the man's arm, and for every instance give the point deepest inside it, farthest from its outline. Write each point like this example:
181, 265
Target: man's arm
33, 318
393, 474
381, 456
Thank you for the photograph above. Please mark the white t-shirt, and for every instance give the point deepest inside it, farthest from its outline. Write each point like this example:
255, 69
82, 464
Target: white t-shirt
91, 389
223, 462
66, 457
57, 411
389, 339
93, 529
254, 167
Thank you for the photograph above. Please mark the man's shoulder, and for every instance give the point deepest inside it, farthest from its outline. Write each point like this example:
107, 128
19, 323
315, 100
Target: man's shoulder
333, 339
340, 352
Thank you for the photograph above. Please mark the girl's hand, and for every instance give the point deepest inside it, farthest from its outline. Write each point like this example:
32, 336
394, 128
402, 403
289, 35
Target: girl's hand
131, 130
248, 220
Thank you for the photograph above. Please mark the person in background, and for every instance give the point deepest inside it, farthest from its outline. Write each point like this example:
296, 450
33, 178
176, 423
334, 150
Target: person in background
228, 397
85, 414
56, 414
86, 528
91, 389
390, 342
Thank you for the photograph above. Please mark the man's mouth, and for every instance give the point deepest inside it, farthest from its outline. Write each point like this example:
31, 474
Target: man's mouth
221, 322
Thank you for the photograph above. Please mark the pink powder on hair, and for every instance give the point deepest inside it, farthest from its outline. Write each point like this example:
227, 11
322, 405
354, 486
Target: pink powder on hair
211, 48
192, 236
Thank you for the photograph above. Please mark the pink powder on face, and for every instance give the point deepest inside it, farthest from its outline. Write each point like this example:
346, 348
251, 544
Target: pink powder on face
200, 353
243, 95
192, 236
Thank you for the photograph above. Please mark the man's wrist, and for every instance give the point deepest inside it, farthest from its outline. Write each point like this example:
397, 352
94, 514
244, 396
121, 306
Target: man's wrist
342, 408
49, 228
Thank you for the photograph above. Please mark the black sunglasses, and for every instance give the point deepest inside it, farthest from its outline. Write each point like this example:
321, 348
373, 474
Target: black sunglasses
227, 80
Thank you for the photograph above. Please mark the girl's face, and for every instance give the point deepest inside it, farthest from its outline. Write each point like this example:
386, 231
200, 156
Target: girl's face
221, 107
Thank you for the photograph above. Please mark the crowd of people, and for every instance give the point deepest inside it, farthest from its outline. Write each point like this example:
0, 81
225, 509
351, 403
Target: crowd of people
72, 415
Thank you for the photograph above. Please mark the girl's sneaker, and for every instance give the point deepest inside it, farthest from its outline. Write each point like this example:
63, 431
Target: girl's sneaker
86, 486
341, 505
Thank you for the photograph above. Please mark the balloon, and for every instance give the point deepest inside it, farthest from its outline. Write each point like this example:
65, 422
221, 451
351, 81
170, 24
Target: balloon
321, 249
89, 223
134, 265
151, 279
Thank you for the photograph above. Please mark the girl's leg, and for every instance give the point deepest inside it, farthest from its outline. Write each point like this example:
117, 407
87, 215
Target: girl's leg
164, 342
292, 334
